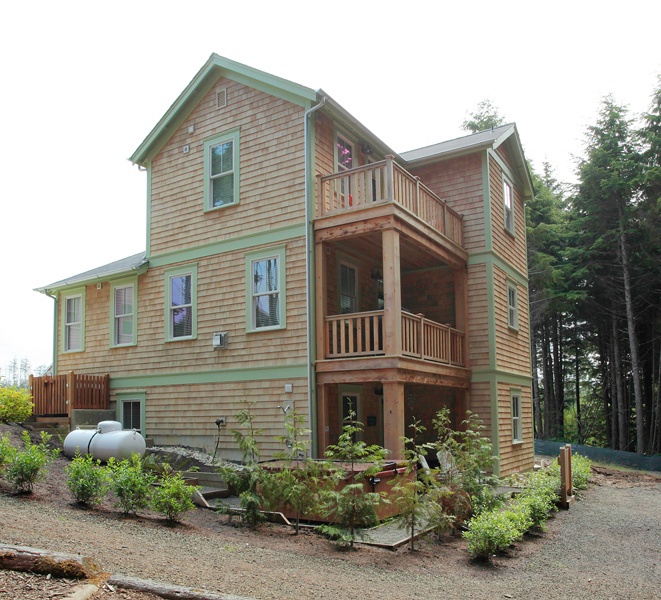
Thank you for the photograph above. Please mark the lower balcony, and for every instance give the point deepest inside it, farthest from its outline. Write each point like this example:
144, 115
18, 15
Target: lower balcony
361, 334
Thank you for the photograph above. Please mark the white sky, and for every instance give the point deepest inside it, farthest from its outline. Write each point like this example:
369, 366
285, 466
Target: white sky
85, 82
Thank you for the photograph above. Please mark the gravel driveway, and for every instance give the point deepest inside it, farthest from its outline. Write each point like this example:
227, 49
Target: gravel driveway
607, 546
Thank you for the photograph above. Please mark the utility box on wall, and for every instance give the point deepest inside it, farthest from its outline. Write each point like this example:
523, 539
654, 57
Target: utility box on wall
220, 340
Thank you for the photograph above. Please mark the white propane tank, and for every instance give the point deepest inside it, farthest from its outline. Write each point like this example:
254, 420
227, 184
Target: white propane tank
107, 441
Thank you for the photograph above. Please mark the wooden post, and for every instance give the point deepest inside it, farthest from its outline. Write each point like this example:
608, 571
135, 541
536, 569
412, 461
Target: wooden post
393, 419
323, 428
392, 295
390, 179
321, 297
566, 485
71, 392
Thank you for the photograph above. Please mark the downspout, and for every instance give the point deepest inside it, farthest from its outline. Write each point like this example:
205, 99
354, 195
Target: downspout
309, 248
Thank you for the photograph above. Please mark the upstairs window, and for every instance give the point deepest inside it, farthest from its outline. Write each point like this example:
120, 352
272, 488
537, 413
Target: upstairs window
123, 315
221, 168
508, 200
348, 293
181, 298
73, 323
512, 307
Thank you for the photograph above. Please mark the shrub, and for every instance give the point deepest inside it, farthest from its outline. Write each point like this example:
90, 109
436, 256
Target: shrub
492, 532
539, 497
5, 451
25, 467
581, 469
172, 497
131, 484
15, 405
87, 480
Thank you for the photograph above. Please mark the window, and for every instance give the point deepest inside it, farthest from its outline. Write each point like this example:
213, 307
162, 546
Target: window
348, 296
130, 409
517, 434
123, 314
508, 201
512, 309
221, 171
74, 322
181, 299
265, 290
344, 162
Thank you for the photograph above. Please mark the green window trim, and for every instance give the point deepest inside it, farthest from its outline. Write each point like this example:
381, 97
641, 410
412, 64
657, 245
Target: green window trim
123, 316
128, 417
508, 205
221, 171
176, 306
276, 288
73, 321
517, 418
512, 306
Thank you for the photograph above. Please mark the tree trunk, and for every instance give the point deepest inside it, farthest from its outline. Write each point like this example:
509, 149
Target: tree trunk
577, 375
620, 412
21, 558
633, 338
547, 373
539, 432
556, 333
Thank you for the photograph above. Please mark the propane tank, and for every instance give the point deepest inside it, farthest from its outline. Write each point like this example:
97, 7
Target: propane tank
107, 441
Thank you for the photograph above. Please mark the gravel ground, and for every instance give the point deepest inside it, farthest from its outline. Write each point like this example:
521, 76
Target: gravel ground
606, 546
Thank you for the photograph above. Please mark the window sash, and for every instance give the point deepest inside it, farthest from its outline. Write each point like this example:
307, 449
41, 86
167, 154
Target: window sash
221, 160
348, 294
509, 206
124, 303
181, 306
266, 292
512, 307
131, 414
517, 435
73, 327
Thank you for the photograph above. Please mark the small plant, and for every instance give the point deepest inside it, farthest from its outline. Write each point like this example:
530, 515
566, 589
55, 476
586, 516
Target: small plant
87, 480
25, 467
494, 531
15, 405
5, 451
581, 471
131, 484
350, 505
173, 497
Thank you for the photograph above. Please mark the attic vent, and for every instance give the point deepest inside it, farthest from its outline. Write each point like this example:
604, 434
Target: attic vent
221, 98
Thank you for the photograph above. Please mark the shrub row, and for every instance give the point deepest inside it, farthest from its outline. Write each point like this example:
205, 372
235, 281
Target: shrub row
496, 530
134, 487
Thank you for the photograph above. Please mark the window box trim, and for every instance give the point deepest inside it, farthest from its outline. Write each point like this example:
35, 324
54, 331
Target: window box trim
278, 252
121, 284
233, 136
77, 293
169, 274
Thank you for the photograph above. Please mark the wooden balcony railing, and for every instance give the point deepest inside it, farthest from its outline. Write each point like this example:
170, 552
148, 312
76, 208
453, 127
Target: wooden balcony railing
383, 182
361, 334
61, 394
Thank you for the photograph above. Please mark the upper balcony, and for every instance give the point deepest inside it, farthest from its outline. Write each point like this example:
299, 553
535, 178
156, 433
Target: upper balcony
379, 189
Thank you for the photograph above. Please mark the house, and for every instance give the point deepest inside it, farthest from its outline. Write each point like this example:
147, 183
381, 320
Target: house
294, 259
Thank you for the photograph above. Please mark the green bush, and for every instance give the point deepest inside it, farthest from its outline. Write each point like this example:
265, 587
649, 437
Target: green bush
5, 451
540, 496
494, 531
172, 497
581, 471
131, 484
25, 467
15, 405
87, 480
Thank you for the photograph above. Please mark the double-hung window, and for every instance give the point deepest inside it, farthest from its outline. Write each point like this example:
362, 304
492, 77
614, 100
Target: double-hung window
221, 170
517, 430
181, 300
73, 317
123, 314
348, 289
508, 201
512, 307
265, 288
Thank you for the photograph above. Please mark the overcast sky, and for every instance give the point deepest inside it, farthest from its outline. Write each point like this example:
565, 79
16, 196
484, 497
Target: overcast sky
85, 82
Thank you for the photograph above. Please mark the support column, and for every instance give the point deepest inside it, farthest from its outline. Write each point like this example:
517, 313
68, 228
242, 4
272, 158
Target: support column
393, 418
461, 307
392, 293
321, 298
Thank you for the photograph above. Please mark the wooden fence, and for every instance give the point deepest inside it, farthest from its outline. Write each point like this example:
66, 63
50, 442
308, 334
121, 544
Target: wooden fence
60, 394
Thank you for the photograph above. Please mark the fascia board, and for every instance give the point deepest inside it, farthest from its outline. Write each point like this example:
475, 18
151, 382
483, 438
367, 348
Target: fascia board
216, 67
83, 281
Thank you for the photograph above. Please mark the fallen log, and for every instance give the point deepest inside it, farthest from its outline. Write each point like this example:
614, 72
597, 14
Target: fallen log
172, 592
22, 558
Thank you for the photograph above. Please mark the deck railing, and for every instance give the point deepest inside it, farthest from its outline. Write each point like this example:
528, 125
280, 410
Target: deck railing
361, 334
60, 394
383, 182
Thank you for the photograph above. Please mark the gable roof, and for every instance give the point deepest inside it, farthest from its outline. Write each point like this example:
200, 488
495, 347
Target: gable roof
492, 138
126, 266
216, 67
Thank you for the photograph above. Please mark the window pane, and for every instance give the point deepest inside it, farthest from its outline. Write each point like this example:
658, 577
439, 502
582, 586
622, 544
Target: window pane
124, 330
181, 290
131, 414
344, 155
182, 322
222, 158
267, 310
73, 310
223, 190
74, 337
265, 276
